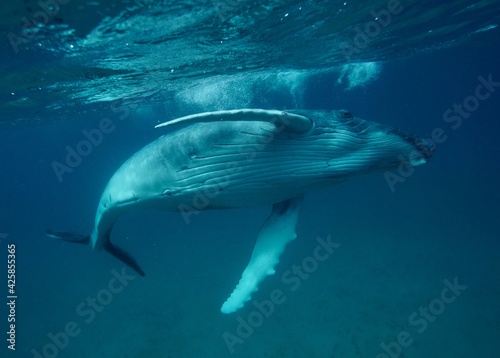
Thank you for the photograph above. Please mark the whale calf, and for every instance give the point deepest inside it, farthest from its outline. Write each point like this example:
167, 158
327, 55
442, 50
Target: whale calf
242, 158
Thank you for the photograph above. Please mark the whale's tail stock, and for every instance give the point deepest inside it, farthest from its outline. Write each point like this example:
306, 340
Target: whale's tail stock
114, 250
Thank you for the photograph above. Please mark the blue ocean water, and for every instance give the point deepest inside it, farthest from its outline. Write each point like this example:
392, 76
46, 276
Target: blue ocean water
417, 271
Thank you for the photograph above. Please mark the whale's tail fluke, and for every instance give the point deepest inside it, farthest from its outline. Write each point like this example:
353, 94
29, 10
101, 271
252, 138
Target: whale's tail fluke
124, 257
114, 250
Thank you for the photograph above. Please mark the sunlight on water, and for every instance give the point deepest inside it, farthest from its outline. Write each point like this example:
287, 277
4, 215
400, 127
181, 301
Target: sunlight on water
240, 91
359, 74
218, 93
157, 50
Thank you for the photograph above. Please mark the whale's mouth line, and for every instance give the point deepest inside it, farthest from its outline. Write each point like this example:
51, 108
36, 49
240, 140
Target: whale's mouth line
424, 148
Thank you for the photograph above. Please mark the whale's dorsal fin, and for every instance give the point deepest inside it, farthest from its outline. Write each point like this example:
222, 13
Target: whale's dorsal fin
292, 121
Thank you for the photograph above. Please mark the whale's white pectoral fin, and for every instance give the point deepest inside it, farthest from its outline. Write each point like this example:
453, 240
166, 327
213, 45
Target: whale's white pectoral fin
292, 121
278, 230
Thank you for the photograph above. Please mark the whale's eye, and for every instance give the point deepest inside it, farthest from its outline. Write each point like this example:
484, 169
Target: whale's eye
347, 114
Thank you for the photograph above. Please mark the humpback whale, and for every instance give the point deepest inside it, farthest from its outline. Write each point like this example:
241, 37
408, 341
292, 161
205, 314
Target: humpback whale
242, 158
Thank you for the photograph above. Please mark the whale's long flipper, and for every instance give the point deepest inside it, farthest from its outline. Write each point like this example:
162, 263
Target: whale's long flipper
291, 121
278, 230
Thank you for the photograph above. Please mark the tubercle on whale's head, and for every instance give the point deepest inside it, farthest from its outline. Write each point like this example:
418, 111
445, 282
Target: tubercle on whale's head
424, 149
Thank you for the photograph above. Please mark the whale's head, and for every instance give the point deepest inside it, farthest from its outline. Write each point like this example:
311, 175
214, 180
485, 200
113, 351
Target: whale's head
355, 146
